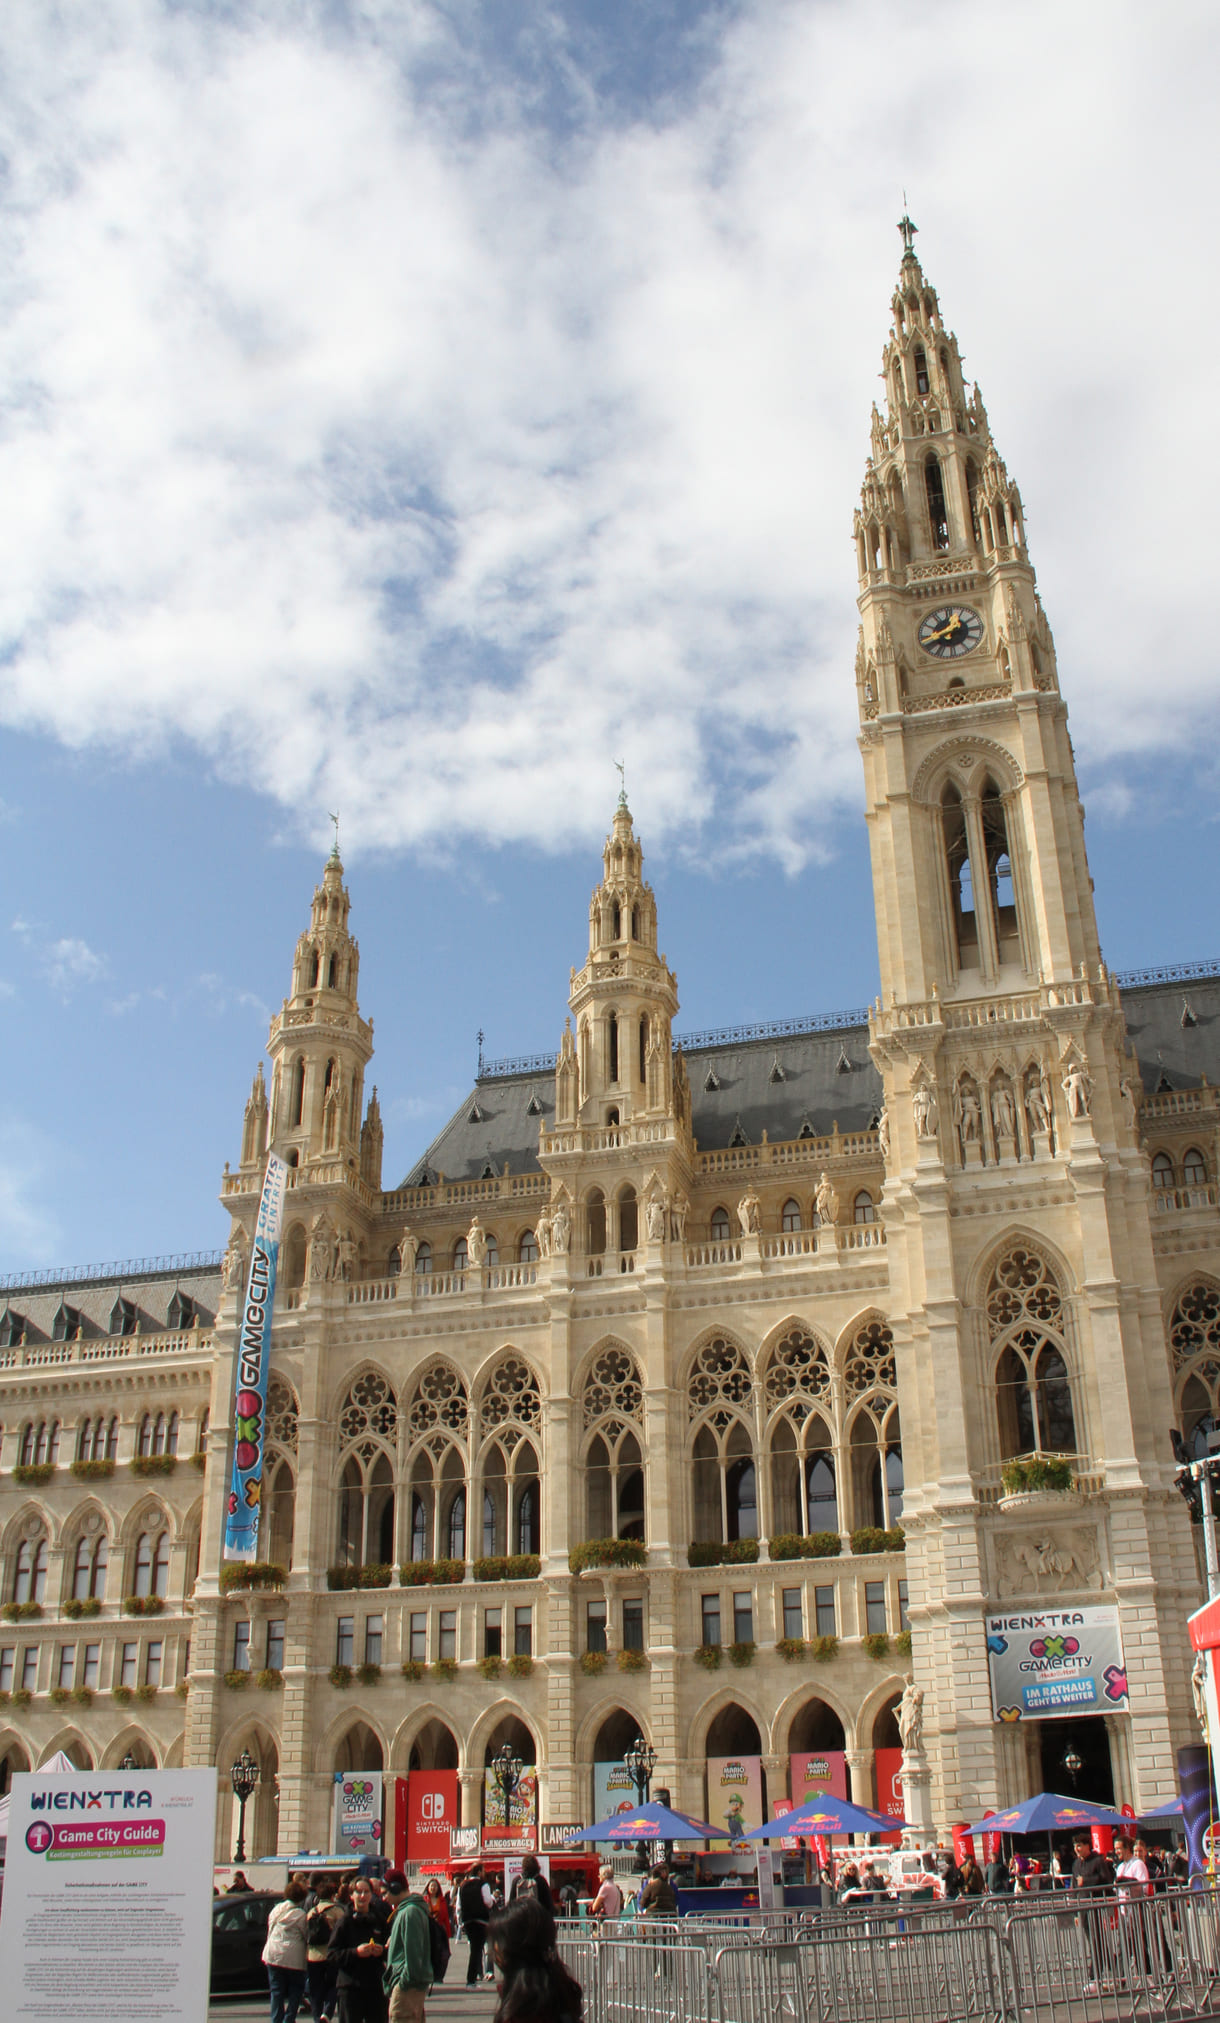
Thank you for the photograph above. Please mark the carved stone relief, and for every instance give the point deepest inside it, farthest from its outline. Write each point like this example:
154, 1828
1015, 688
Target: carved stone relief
1051, 1560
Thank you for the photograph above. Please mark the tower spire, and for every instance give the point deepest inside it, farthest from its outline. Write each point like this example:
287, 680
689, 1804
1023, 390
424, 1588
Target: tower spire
319, 1043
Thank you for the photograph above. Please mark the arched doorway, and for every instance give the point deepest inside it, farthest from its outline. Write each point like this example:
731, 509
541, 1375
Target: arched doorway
817, 1753
13, 1759
736, 1782
523, 1801
613, 1790
1084, 1736
434, 1748
262, 1808
74, 1748
358, 1749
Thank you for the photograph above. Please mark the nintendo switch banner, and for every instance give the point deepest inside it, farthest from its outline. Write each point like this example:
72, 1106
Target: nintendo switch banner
427, 1807
251, 1368
1050, 1665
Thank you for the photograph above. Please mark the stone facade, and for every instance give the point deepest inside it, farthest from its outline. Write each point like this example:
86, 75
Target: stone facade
654, 1294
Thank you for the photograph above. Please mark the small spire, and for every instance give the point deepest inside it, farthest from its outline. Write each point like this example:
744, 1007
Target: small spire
621, 769
334, 855
908, 230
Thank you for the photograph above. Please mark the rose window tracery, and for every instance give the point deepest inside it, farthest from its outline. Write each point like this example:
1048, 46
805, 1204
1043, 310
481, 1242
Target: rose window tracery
369, 1407
613, 1389
1022, 1289
282, 1415
871, 1360
439, 1400
511, 1393
1194, 1328
720, 1382
799, 1365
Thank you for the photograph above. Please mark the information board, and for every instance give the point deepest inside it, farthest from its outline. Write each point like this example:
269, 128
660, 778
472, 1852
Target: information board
107, 1913
357, 1814
1049, 1664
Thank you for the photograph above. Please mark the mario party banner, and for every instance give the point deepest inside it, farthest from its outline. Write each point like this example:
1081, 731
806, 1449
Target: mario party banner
613, 1791
107, 1914
1047, 1665
253, 1363
357, 1823
519, 1830
734, 1793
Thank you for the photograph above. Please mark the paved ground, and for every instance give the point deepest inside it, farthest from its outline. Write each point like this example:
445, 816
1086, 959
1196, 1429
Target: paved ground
452, 2003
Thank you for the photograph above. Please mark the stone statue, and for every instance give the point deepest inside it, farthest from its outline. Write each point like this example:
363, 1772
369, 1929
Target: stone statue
969, 1111
476, 1243
322, 1250
1127, 1095
408, 1248
1003, 1115
1077, 1087
910, 1717
345, 1257
749, 1213
827, 1202
923, 1104
883, 1132
234, 1261
542, 1232
678, 1214
561, 1229
1036, 1104
655, 1218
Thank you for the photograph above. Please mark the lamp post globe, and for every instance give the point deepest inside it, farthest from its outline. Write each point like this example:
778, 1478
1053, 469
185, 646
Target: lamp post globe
507, 1768
244, 1777
639, 1762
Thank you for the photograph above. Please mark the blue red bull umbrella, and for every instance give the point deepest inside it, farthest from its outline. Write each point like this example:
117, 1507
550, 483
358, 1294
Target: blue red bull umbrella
827, 1816
1050, 1812
651, 1822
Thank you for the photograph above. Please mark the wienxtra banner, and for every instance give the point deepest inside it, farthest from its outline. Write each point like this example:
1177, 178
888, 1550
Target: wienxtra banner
253, 1363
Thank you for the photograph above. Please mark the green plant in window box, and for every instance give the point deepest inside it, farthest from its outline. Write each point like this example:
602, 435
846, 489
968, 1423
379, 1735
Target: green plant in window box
593, 1663
82, 1696
143, 1605
791, 1649
823, 1649
369, 1675
445, 1668
742, 1653
871, 1538
22, 1696
709, 1656
607, 1552
1020, 1477
341, 1676
413, 1669
432, 1573
30, 1473
154, 1464
60, 1696
877, 1645
146, 1692
269, 1678
818, 1545
5, 1696
254, 1573
902, 1643
122, 1695
92, 1471
84, 1607
199, 1461
520, 1666
182, 1688
238, 1679
632, 1661
22, 1612
491, 1666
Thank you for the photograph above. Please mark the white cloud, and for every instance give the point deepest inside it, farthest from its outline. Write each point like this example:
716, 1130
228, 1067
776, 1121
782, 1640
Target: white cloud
408, 457
70, 962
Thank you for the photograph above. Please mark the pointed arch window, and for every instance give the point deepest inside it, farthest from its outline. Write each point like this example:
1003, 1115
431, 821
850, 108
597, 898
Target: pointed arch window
999, 871
864, 1208
30, 1571
455, 1543
296, 1103
972, 493
613, 1046
595, 1220
720, 1225
938, 513
90, 1567
1162, 1170
527, 1248
1033, 1388
920, 360
961, 882
1194, 1168
724, 1477
790, 1215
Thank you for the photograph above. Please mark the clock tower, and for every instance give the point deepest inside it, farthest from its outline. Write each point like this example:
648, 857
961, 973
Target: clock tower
1032, 1370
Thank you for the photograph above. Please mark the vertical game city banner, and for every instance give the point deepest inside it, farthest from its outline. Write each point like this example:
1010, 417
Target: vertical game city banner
252, 1365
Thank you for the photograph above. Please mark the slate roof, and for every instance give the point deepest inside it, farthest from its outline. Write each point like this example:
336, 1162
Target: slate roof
803, 1072
91, 1294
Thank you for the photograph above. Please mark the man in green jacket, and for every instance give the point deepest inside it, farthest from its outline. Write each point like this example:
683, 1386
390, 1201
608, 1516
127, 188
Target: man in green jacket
408, 1959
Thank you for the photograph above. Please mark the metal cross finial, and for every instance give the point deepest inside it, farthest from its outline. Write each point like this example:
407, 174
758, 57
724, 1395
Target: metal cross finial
480, 1051
335, 851
907, 228
621, 770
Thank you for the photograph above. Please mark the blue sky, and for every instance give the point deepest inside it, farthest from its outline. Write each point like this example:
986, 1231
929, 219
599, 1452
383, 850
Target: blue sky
411, 409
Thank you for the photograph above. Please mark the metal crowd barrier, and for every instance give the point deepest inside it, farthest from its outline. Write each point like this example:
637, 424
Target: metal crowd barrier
1055, 1959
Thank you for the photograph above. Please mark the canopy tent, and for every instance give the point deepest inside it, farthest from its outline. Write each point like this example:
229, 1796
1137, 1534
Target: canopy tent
651, 1822
1174, 1810
827, 1816
58, 1765
1048, 1812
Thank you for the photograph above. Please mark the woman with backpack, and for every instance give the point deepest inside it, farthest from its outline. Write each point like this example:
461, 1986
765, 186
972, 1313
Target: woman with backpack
325, 1914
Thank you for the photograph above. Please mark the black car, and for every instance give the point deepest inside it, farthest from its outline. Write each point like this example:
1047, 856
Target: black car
239, 1933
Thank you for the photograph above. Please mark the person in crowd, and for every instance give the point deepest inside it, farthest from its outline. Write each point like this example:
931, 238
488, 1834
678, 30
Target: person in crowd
532, 1883
284, 1953
477, 1904
657, 1898
849, 1879
950, 1873
358, 1950
608, 1903
238, 1884
972, 1878
1092, 1873
441, 1928
408, 1957
325, 1917
534, 1984
872, 1878
1151, 1858
999, 1881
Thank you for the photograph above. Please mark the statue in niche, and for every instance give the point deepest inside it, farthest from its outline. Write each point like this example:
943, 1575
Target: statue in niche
655, 1218
678, 1214
923, 1105
883, 1132
749, 1213
1036, 1104
408, 1250
345, 1257
1077, 1087
542, 1232
561, 1229
969, 1111
476, 1242
1003, 1115
827, 1202
1127, 1097
322, 1250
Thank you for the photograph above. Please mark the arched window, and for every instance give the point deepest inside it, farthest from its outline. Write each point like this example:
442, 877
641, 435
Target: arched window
29, 1440
1162, 1170
527, 1518
89, 1568
201, 1444
628, 1220
938, 516
455, 1544
618, 922
595, 1217
147, 1425
643, 1049
159, 1432
30, 1571
721, 1228
1194, 1339
864, 1208
527, 1248
635, 923
612, 1036
420, 1543
491, 1254
1194, 1168
461, 1254
790, 1215
1033, 1390
972, 493
613, 1411
920, 360
423, 1258
803, 1474
152, 1564
296, 1103
724, 1480
368, 1422
999, 872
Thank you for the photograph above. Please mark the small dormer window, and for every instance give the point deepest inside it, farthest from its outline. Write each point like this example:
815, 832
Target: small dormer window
12, 1328
921, 370
843, 1065
489, 1172
181, 1311
66, 1325
806, 1130
533, 1108
777, 1074
739, 1136
1188, 1018
122, 1317
711, 1082
475, 1115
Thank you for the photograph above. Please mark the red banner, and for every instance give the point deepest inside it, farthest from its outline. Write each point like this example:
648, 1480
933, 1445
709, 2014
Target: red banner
429, 1803
888, 1763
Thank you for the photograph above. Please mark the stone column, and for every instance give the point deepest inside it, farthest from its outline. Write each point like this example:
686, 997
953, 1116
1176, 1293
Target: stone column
917, 1799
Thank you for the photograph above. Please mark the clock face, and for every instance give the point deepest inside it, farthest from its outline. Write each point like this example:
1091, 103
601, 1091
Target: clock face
950, 631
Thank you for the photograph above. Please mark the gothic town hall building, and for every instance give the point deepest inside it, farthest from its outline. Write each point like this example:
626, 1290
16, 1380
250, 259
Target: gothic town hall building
695, 1389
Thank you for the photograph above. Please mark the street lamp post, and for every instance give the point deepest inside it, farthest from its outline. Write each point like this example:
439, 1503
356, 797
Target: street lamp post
639, 1762
244, 1776
507, 1768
